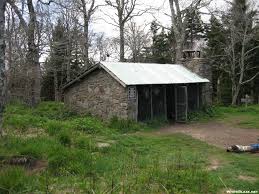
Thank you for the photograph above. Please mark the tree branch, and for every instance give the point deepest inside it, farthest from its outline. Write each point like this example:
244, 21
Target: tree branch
19, 14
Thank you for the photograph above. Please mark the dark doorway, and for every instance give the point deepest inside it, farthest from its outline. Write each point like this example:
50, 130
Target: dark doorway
158, 101
170, 102
144, 103
193, 97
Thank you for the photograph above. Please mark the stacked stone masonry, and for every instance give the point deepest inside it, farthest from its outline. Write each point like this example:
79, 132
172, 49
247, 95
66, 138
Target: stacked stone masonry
99, 94
203, 69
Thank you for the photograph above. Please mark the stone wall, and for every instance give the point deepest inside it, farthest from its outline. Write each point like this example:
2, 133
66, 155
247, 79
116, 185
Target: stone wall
98, 94
202, 68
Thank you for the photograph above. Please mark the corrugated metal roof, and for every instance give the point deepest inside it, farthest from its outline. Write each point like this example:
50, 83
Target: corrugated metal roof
151, 73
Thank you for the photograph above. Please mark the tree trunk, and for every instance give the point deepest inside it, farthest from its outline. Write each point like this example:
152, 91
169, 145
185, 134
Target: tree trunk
86, 33
56, 87
178, 51
9, 53
2, 62
33, 66
253, 91
122, 42
235, 93
219, 88
68, 56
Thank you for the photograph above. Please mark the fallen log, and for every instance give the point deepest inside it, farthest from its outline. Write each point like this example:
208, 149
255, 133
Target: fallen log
20, 160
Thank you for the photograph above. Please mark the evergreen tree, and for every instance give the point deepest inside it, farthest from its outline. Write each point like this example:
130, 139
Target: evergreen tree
216, 40
76, 54
55, 67
161, 47
195, 27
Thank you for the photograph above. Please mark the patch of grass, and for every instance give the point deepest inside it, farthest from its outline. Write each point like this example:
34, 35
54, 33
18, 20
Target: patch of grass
204, 114
64, 138
83, 142
88, 124
39, 147
241, 116
67, 162
132, 163
53, 110
22, 122
157, 123
126, 126
53, 127
238, 116
15, 180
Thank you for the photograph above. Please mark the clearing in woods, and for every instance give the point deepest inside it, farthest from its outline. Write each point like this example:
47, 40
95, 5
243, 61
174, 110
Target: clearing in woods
215, 133
69, 153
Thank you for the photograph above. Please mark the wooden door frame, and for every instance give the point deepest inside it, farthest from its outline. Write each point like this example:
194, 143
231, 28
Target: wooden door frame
176, 102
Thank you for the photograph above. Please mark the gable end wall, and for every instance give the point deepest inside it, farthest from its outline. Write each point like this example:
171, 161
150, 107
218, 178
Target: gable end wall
98, 94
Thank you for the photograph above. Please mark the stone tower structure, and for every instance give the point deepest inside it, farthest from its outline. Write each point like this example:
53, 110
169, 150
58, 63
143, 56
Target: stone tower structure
193, 60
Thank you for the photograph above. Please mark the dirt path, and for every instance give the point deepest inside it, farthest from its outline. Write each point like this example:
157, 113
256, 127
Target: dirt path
215, 133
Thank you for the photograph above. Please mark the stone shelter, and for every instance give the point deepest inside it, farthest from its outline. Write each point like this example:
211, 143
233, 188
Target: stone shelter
137, 91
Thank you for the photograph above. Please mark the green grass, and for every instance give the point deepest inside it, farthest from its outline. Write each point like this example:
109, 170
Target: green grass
133, 163
15, 180
239, 116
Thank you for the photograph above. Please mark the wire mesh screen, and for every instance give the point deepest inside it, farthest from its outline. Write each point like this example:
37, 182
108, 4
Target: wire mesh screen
158, 101
181, 104
144, 103
193, 97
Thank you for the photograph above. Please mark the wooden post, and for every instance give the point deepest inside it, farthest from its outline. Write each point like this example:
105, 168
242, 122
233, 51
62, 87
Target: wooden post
186, 100
136, 103
151, 96
198, 96
165, 102
175, 101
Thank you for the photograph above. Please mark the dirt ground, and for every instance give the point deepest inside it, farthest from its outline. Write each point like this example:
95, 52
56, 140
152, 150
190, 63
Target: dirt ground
215, 133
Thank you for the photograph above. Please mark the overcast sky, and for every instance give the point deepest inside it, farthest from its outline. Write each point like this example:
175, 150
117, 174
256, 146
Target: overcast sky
99, 25
101, 22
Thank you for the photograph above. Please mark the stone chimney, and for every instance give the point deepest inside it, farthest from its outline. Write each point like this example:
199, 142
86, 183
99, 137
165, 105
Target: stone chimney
192, 59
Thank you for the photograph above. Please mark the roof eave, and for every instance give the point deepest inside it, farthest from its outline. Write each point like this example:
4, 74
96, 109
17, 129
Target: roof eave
113, 75
81, 76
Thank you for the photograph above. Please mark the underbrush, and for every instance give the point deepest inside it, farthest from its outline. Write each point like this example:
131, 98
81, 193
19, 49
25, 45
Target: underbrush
204, 114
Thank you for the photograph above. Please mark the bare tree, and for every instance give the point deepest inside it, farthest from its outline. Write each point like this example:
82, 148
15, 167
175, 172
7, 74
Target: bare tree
87, 15
179, 22
2, 61
100, 46
126, 10
33, 85
136, 39
238, 49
